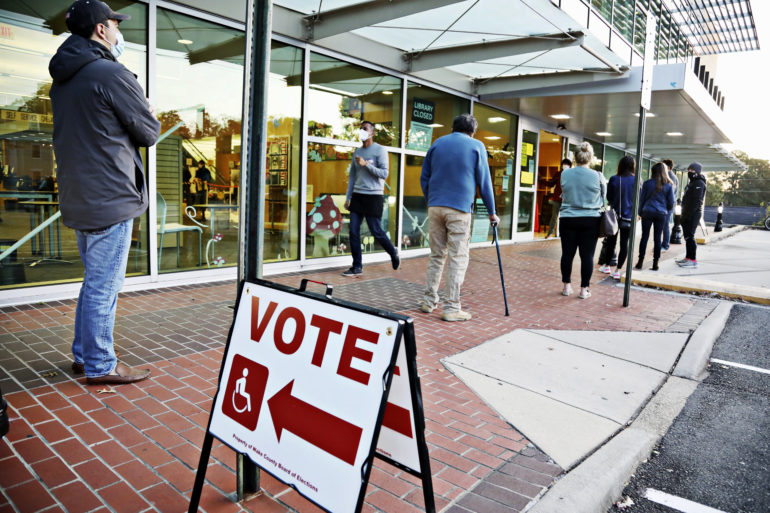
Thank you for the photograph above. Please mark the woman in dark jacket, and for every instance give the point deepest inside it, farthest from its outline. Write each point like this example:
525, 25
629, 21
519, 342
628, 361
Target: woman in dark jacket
656, 199
620, 196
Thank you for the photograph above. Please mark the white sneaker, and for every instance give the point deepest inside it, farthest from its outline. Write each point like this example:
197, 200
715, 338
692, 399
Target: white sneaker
606, 269
616, 275
459, 315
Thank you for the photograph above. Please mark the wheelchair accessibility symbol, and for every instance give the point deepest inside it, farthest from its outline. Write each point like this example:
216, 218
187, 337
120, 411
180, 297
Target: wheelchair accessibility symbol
245, 391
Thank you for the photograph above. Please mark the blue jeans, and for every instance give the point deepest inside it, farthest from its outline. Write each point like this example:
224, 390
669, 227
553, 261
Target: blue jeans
375, 226
667, 230
104, 254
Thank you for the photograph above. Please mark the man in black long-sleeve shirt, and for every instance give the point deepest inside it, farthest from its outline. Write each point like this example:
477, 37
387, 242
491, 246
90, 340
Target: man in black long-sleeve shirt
693, 203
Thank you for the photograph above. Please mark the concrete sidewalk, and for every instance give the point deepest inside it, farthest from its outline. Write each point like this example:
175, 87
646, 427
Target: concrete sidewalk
74, 448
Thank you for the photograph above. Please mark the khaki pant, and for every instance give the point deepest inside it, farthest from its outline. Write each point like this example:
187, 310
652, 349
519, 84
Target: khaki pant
450, 233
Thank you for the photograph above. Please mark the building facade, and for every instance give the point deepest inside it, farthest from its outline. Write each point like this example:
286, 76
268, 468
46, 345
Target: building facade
539, 80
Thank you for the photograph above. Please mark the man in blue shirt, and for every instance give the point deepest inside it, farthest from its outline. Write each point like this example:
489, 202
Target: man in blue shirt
454, 167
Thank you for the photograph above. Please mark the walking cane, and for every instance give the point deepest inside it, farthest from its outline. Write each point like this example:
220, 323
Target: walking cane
500, 264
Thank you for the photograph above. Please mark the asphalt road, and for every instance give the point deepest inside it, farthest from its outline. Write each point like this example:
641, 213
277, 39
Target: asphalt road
717, 452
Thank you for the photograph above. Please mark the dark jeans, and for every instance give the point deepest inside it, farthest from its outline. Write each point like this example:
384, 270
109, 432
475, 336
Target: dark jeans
688, 231
375, 226
608, 249
667, 230
652, 221
578, 233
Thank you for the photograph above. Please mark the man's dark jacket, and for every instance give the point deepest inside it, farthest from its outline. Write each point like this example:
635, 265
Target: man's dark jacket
101, 119
693, 201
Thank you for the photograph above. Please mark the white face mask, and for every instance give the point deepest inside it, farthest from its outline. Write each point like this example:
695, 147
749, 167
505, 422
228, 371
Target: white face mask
120, 43
363, 135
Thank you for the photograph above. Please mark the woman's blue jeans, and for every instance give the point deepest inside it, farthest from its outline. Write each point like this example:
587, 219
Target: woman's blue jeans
375, 227
104, 254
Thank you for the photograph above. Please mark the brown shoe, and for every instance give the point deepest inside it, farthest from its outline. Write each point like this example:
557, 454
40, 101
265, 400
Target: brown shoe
123, 374
79, 368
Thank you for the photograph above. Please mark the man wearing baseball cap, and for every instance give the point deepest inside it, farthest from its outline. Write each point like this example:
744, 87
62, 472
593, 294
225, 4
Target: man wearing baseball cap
101, 119
693, 202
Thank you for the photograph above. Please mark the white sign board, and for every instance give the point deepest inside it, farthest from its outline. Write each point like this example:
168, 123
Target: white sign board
301, 390
397, 439
649, 61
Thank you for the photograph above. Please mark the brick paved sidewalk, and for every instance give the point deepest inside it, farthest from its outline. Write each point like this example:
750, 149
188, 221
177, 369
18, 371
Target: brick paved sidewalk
134, 448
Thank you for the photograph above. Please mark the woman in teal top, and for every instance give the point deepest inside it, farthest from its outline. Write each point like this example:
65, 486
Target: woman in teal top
583, 194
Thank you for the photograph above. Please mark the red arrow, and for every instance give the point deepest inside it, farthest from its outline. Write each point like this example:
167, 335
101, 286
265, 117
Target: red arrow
327, 432
398, 419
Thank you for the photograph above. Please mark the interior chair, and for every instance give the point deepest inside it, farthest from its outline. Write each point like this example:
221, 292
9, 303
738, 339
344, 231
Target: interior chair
176, 228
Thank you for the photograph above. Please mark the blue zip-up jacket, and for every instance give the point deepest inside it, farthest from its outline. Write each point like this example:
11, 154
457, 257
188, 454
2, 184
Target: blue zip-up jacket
454, 166
653, 203
620, 194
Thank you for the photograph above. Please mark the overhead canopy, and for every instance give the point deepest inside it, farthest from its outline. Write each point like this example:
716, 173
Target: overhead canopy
716, 26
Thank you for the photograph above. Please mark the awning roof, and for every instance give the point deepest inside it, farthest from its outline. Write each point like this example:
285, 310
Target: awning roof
716, 26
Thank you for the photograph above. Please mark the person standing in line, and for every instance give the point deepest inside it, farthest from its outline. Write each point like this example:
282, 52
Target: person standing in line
675, 185
454, 167
620, 196
655, 201
101, 119
364, 199
583, 195
693, 202
555, 199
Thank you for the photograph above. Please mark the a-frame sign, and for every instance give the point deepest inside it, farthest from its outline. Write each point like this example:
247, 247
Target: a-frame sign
312, 388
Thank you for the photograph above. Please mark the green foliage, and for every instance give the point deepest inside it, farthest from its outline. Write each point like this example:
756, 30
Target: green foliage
741, 188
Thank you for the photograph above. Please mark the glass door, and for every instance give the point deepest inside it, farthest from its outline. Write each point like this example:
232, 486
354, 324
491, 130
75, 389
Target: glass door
526, 181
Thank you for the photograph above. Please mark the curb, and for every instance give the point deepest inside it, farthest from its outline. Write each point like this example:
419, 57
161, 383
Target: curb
592, 486
692, 363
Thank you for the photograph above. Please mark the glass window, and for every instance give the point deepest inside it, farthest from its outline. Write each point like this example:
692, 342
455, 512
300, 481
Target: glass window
284, 134
429, 115
327, 218
612, 158
623, 18
498, 131
341, 95
31, 34
415, 208
198, 153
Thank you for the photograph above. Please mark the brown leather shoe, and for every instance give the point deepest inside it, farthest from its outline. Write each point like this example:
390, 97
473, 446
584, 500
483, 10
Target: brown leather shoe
123, 374
79, 368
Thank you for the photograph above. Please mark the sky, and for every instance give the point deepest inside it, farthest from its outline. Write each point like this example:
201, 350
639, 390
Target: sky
744, 79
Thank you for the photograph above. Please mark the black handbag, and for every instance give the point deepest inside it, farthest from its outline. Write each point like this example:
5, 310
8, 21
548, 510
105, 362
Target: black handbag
609, 223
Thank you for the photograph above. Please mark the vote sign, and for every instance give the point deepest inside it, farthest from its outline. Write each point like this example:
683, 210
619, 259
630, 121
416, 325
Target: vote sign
302, 390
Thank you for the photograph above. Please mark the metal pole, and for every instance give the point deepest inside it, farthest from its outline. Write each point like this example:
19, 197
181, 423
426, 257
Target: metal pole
634, 208
257, 66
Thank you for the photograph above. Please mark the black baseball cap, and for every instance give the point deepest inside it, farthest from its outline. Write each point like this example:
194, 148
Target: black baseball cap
84, 15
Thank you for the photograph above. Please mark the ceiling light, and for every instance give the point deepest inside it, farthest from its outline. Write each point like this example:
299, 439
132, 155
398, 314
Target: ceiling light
496, 119
674, 134
603, 134
555, 139
387, 92
492, 137
184, 41
648, 115
560, 116
435, 125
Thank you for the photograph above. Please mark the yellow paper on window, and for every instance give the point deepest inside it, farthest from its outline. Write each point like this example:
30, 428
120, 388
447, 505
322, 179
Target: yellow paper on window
524, 160
529, 149
527, 178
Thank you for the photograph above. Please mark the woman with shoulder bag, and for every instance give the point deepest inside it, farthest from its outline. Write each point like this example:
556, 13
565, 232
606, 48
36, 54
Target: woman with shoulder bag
656, 199
620, 195
583, 193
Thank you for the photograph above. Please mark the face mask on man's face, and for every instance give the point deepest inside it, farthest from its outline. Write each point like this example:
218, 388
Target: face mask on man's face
120, 44
363, 135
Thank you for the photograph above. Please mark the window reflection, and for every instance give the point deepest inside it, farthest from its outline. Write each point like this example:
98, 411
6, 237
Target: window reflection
198, 153
341, 95
498, 131
282, 199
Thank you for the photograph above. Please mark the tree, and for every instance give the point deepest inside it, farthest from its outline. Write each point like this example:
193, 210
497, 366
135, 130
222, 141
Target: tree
741, 188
